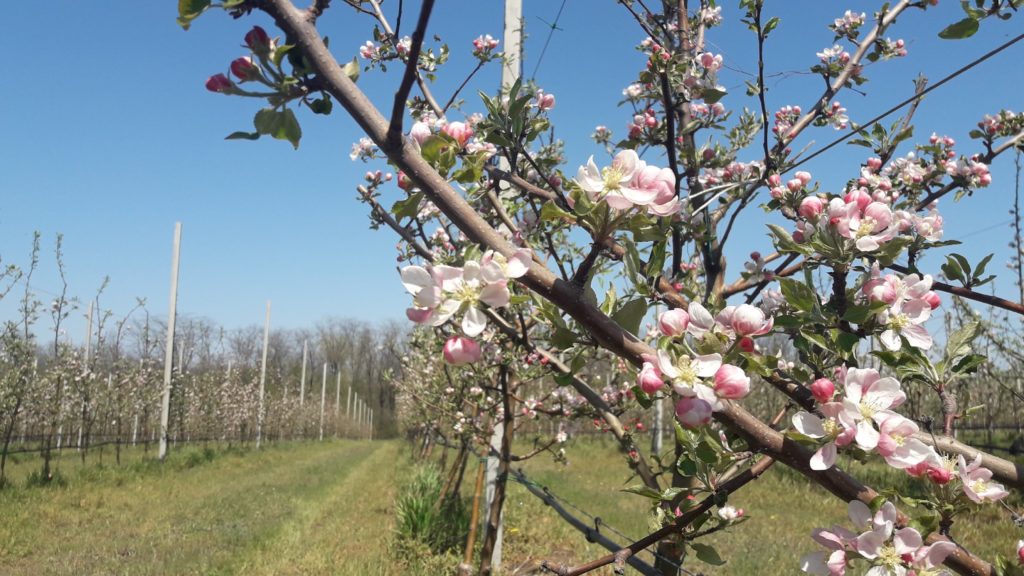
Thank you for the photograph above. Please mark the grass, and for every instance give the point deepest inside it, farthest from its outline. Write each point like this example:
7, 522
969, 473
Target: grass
312, 508
329, 508
782, 506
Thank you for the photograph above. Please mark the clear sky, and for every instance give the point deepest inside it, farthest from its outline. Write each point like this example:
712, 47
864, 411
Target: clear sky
109, 138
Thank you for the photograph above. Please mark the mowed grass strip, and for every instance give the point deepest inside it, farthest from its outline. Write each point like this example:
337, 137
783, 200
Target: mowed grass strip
783, 507
285, 509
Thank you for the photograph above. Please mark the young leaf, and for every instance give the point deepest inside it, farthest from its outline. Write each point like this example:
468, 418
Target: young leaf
960, 30
189, 10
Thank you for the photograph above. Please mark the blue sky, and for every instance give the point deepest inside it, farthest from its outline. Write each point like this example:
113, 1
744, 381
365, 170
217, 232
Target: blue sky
110, 138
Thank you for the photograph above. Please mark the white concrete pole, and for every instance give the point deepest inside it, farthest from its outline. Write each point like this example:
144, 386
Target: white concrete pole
510, 72
302, 386
323, 398
263, 378
337, 405
165, 397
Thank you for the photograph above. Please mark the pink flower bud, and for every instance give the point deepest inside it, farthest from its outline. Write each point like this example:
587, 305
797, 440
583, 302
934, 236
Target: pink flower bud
774, 180
1020, 552
811, 207
674, 322
794, 185
460, 131
419, 132
219, 83
403, 181
749, 320
460, 350
747, 344
804, 177
859, 196
940, 475
731, 382
245, 69
693, 412
258, 41
545, 101
874, 164
649, 378
933, 299
823, 389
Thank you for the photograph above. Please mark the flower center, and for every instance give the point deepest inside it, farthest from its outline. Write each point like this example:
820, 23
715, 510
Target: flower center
889, 557
898, 321
832, 428
867, 226
687, 373
898, 439
612, 178
979, 486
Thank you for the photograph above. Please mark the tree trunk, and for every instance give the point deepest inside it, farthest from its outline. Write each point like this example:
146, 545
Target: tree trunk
494, 514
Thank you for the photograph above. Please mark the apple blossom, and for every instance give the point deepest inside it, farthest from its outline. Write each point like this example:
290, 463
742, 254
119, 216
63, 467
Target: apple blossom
245, 69
745, 320
686, 374
868, 395
459, 131
870, 229
729, 513
731, 382
258, 41
896, 444
460, 350
906, 319
419, 132
701, 321
977, 481
614, 184
545, 101
837, 429
692, 412
811, 207
219, 83
673, 322
649, 378
823, 389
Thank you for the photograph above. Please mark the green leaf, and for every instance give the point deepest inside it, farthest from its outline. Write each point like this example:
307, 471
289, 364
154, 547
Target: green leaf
407, 207
630, 315
563, 338
712, 95
189, 10
706, 453
551, 212
290, 130
707, 554
322, 105
279, 53
644, 491
798, 294
351, 70
962, 29
243, 136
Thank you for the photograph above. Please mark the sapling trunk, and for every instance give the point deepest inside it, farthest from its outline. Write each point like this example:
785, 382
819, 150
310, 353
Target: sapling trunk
498, 502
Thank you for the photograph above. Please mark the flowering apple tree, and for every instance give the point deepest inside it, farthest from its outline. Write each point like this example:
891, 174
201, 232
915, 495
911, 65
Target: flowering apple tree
505, 248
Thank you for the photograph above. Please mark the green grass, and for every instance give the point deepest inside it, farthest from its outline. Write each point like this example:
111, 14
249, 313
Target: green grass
289, 509
329, 508
782, 506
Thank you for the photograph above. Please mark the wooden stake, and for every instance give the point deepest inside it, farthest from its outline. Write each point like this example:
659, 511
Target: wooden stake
263, 378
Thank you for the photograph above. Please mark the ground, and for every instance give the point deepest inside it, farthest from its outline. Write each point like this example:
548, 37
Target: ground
326, 508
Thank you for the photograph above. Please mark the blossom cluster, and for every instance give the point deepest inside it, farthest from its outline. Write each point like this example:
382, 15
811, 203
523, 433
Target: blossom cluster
879, 541
630, 182
701, 381
864, 418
